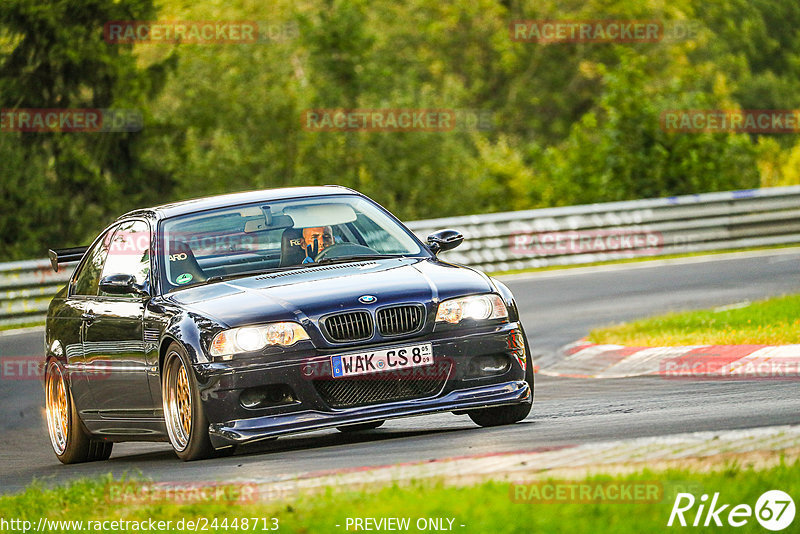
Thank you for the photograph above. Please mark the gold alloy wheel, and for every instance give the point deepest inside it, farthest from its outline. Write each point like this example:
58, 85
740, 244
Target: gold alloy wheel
178, 403
57, 405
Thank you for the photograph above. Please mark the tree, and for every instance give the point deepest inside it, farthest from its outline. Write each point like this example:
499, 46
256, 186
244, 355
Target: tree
54, 56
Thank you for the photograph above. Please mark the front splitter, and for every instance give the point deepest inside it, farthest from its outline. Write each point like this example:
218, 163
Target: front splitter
256, 428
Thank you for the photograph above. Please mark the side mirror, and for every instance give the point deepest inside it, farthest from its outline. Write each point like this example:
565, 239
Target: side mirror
121, 284
444, 240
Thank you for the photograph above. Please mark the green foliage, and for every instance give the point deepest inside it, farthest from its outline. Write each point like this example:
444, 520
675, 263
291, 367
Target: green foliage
59, 188
769, 322
485, 507
619, 151
572, 122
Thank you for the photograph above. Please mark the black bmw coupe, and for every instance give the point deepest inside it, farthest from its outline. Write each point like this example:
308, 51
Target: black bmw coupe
224, 320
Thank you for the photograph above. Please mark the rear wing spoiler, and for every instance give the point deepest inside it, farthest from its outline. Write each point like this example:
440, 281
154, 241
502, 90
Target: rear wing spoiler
65, 255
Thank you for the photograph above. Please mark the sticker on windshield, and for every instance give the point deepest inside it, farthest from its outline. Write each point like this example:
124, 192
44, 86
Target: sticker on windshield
184, 278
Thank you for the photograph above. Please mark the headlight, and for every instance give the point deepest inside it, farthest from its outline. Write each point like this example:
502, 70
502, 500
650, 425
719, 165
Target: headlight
253, 338
478, 307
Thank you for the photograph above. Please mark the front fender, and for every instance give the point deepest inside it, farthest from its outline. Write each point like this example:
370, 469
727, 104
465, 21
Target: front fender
54, 350
508, 298
193, 331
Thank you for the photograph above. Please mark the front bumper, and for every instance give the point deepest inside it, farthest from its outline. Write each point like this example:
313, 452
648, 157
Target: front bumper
222, 385
245, 430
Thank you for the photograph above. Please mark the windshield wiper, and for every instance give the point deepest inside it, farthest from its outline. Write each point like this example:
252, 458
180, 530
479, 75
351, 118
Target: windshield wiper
363, 257
324, 261
244, 274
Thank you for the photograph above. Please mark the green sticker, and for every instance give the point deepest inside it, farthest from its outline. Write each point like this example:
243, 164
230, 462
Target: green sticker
184, 278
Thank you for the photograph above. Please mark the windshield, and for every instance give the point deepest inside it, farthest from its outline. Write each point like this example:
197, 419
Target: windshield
278, 235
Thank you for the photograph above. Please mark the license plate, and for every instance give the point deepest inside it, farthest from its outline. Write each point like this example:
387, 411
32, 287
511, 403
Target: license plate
376, 361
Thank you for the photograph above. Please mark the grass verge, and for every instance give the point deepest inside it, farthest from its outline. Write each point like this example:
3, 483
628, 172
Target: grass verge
773, 321
19, 326
486, 507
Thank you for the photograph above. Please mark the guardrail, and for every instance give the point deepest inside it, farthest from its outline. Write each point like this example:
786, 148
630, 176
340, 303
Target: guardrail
538, 238
620, 230
26, 288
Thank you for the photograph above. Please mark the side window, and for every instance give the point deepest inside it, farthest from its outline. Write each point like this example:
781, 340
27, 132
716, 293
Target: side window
88, 278
129, 252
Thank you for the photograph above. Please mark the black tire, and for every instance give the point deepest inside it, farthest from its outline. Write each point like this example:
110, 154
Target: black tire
100, 450
513, 413
71, 442
359, 427
182, 407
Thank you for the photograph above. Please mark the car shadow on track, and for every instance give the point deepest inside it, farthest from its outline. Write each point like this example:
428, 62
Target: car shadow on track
312, 441
317, 441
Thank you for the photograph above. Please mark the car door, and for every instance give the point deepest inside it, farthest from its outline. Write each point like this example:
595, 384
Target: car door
72, 321
113, 340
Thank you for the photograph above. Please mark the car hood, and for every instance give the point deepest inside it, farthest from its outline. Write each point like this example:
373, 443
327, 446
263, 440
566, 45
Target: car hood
316, 291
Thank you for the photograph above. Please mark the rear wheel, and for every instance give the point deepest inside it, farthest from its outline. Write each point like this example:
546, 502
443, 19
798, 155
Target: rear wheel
186, 421
70, 441
359, 427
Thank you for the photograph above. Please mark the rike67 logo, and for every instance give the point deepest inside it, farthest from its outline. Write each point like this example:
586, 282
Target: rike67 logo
774, 510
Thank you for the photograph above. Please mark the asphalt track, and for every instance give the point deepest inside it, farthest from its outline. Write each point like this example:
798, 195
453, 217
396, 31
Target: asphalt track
557, 308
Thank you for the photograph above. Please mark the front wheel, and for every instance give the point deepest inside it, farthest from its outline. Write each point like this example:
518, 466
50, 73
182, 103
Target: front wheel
186, 421
506, 415
71, 443
501, 415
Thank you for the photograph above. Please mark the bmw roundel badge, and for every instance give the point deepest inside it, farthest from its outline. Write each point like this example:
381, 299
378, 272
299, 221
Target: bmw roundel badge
367, 299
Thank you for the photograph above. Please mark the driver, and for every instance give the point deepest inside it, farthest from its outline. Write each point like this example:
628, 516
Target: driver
315, 240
